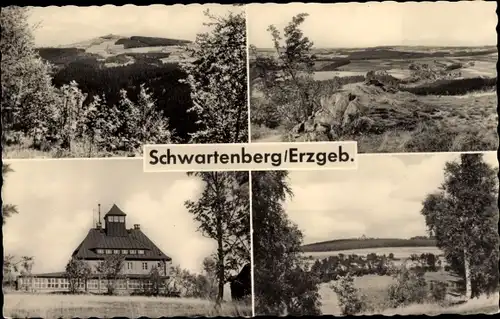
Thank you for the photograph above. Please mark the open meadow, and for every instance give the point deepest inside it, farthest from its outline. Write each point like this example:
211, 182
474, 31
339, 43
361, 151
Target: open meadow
20, 305
390, 99
375, 289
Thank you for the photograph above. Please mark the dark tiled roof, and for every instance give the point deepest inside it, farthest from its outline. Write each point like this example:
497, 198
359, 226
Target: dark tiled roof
115, 211
135, 239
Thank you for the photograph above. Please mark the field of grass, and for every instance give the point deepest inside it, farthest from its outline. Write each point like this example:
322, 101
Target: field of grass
85, 306
25, 150
375, 289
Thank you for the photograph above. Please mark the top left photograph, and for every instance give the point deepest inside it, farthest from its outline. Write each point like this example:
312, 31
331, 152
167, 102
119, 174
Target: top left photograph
87, 82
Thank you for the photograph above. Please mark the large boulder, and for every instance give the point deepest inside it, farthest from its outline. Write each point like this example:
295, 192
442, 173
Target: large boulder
362, 109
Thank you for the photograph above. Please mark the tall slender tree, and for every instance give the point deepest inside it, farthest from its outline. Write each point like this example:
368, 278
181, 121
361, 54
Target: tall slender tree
218, 80
223, 214
282, 283
28, 97
463, 216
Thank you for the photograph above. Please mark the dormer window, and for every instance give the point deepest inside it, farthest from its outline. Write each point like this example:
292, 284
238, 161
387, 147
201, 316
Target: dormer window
141, 252
100, 251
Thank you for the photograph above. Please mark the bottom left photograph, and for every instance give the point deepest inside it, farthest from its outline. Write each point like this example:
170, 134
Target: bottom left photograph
101, 238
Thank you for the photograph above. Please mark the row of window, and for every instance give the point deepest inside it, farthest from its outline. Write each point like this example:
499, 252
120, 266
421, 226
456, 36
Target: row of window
120, 251
92, 284
116, 219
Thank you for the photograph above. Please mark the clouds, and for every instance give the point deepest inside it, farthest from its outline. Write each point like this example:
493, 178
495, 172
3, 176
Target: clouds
57, 200
381, 199
69, 24
381, 23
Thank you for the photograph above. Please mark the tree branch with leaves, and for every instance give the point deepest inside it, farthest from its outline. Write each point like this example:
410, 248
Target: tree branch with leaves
223, 214
463, 216
218, 80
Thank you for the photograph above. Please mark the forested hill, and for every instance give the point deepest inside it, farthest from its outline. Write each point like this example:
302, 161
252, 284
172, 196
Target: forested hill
115, 49
366, 243
103, 66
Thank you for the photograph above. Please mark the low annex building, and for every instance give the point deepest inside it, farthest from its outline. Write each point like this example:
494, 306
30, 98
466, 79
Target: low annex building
140, 254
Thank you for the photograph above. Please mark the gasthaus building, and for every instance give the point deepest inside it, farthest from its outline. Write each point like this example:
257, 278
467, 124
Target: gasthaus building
140, 254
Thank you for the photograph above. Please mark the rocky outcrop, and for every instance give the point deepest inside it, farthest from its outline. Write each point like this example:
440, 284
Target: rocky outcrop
362, 108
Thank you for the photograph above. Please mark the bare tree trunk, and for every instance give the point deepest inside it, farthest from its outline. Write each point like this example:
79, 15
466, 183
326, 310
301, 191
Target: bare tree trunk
468, 284
220, 253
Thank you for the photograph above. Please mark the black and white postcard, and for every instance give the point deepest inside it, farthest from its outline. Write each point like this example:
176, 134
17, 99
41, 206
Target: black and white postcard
394, 76
101, 238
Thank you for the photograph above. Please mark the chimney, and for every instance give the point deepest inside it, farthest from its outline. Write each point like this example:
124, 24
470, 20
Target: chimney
137, 226
99, 225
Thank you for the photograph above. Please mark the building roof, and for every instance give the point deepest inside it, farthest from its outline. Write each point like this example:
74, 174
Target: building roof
115, 211
116, 236
135, 239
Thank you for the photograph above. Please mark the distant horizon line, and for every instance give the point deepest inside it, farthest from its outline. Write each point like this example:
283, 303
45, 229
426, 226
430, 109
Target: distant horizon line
393, 46
366, 238
121, 36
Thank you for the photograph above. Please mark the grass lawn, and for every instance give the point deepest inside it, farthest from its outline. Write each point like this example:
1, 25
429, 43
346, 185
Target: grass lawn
24, 150
375, 288
19, 305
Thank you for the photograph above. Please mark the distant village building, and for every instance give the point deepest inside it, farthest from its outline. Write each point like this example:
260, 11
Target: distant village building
140, 254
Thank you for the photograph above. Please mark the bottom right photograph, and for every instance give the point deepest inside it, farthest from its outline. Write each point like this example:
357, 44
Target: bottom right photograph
402, 234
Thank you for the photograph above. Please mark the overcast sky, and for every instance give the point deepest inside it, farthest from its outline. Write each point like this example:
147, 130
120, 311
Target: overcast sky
70, 24
383, 198
56, 200
380, 23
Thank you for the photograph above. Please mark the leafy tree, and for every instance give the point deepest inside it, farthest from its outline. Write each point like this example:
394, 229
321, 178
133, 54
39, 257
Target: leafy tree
351, 301
218, 81
157, 283
463, 216
12, 266
26, 267
77, 272
210, 272
7, 209
410, 287
287, 80
223, 214
141, 122
281, 284
111, 269
28, 97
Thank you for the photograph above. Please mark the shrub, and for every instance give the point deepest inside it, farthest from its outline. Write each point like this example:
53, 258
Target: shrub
264, 113
409, 288
438, 290
350, 300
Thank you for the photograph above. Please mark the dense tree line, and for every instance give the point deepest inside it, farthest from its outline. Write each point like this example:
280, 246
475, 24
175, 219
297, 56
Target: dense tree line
333, 267
172, 98
453, 87
139, 42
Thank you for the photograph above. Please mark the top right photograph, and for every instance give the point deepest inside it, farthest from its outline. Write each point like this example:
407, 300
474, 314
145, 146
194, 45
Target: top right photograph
395, 77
